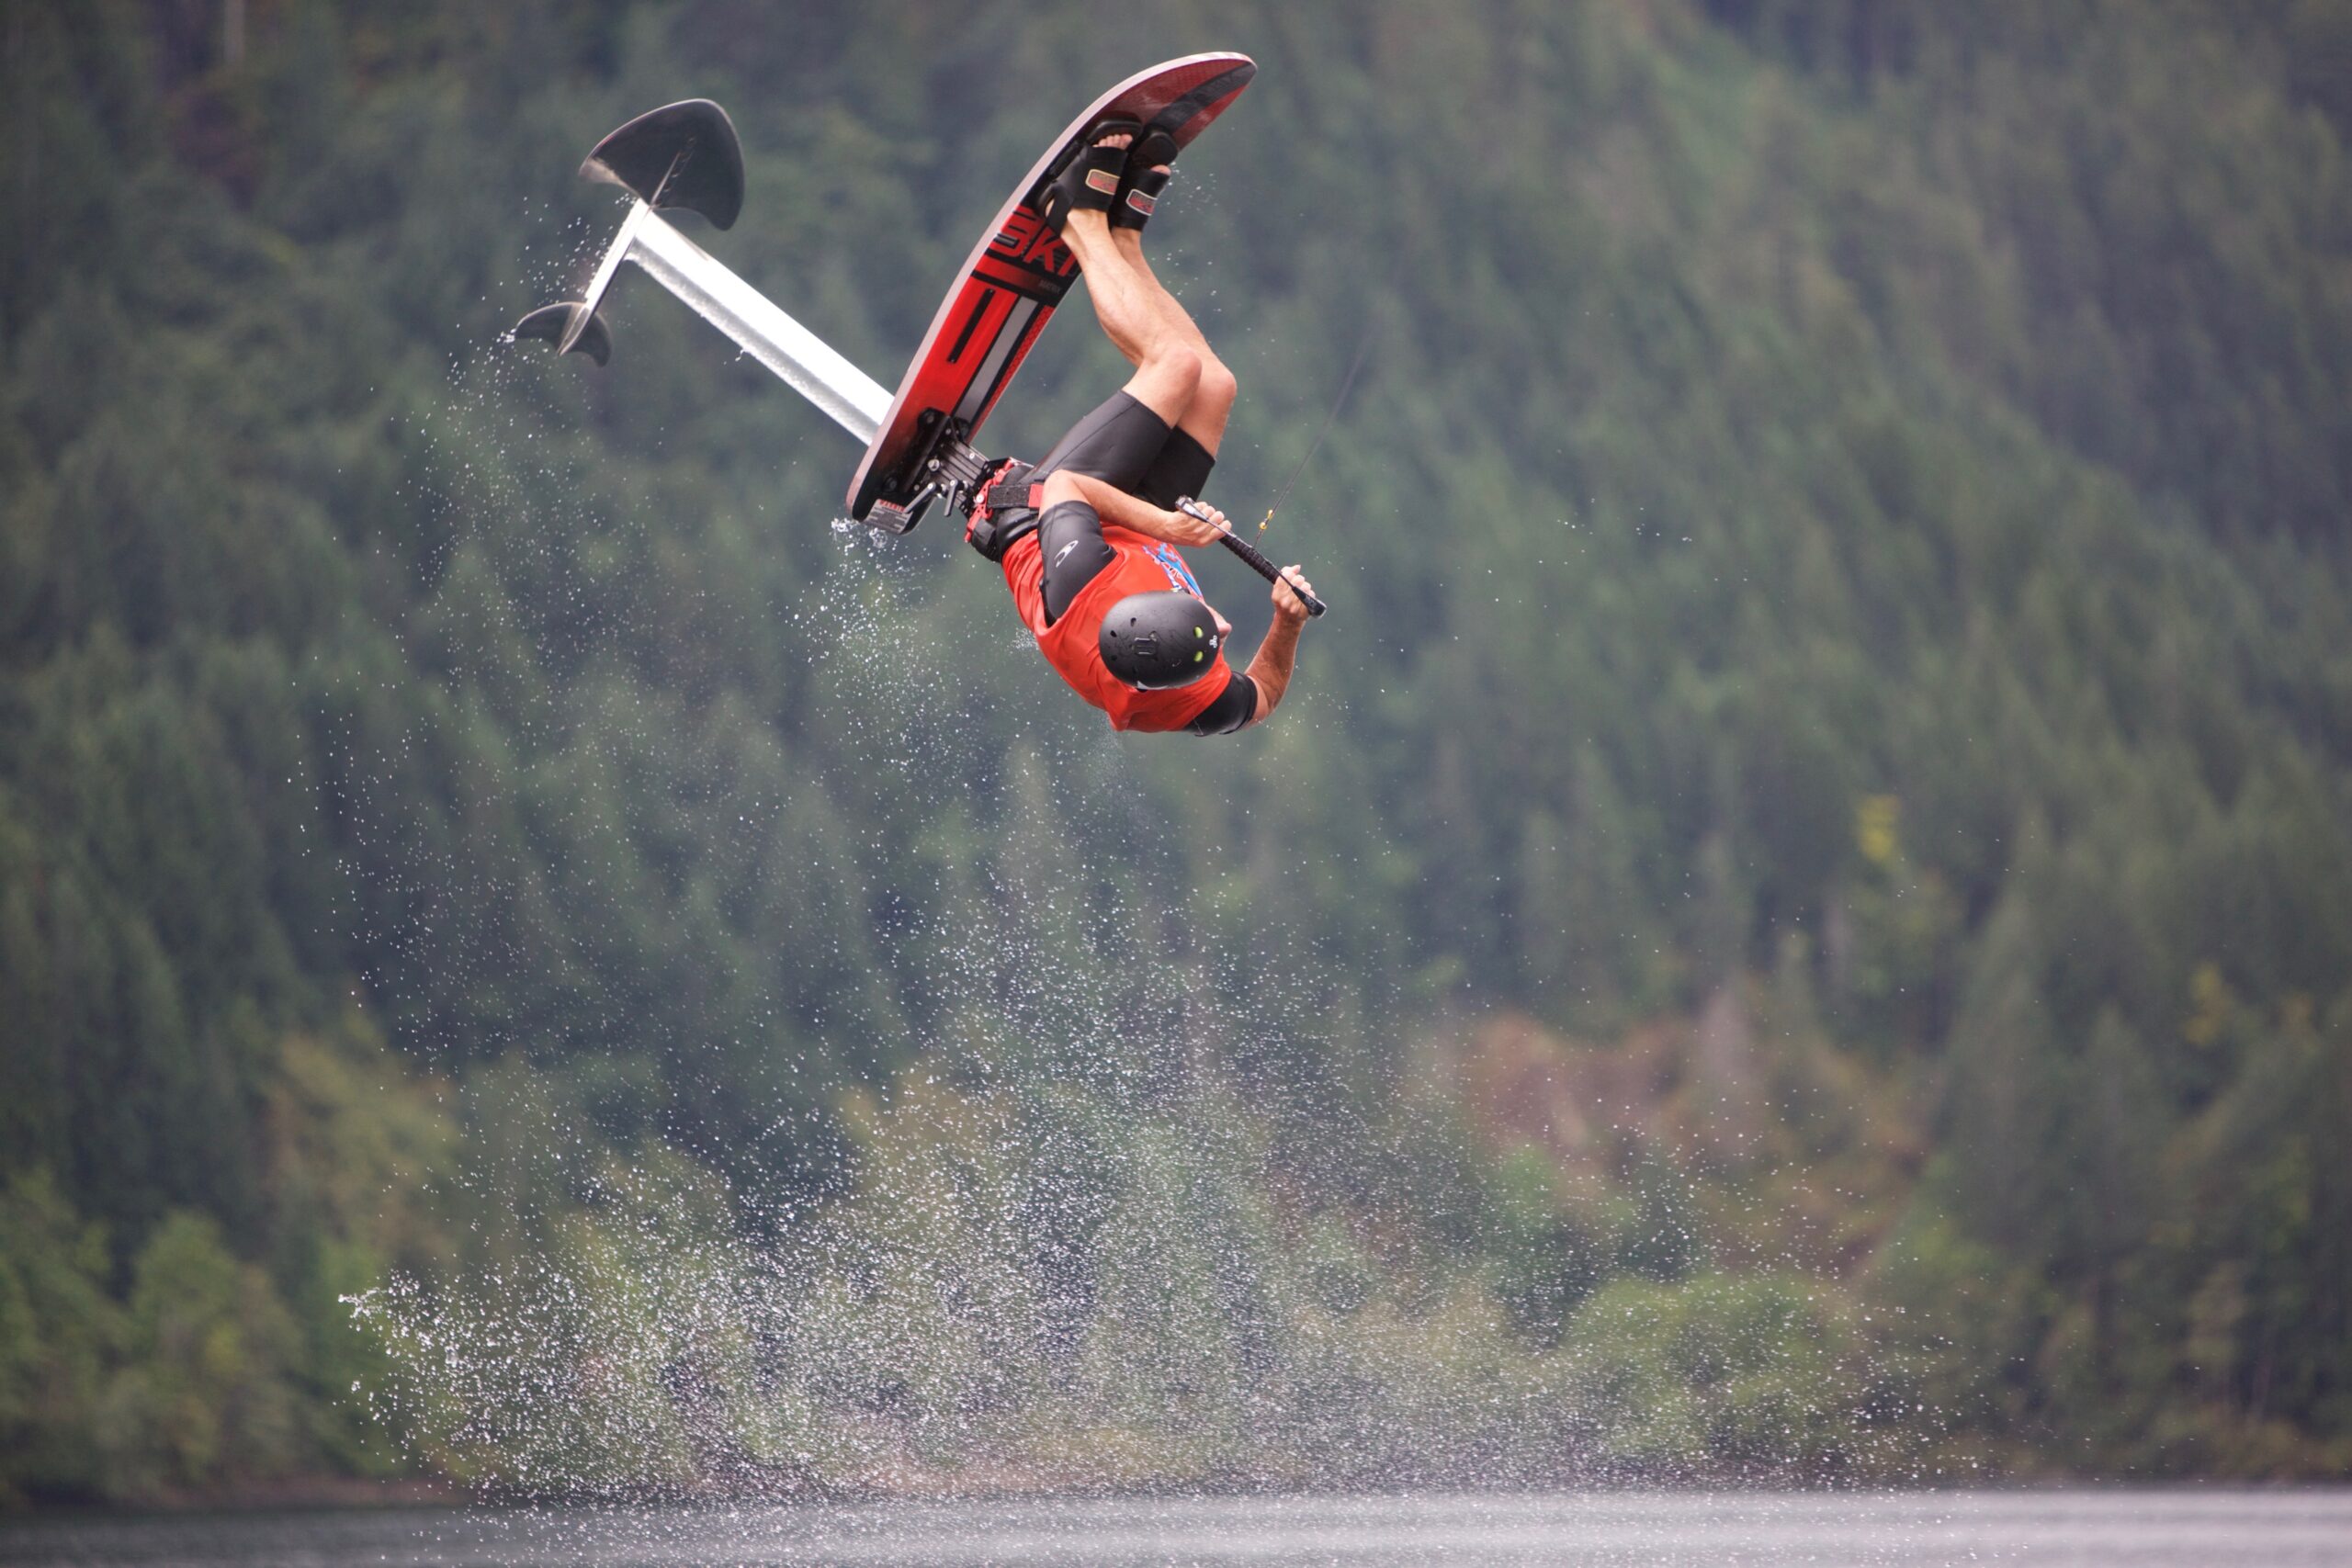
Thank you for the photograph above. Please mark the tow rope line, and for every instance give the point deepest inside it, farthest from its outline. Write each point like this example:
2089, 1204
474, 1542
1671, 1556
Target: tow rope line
1347, 383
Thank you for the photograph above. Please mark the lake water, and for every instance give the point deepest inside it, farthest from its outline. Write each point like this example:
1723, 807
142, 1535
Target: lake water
2147, 1528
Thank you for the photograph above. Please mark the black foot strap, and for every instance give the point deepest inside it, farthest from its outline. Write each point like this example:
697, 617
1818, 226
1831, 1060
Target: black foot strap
1090, 182
1144, 179
1142, 194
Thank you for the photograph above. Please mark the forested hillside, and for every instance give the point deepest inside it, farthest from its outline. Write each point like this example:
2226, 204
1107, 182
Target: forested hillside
1798, 919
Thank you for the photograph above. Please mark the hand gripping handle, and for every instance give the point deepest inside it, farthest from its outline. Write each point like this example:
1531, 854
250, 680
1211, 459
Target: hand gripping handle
1252, 555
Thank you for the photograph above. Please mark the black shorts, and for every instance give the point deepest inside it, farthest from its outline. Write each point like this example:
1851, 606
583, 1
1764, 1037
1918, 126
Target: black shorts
1125, 443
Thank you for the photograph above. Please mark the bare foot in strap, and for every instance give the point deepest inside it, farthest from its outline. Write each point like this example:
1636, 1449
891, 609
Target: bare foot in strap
1091, 181
1146, 175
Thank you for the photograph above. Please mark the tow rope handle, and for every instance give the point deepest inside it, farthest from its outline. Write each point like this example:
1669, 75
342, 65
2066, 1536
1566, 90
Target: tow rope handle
1252, 555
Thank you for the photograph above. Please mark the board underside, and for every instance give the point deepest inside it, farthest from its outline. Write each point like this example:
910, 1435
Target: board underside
1015, 279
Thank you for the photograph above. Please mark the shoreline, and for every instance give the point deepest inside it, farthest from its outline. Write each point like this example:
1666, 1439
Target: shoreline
346, 1495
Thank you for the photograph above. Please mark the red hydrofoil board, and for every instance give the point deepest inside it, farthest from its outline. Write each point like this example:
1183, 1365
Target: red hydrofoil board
1013, 281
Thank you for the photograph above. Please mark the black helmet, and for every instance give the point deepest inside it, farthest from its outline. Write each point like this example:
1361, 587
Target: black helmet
1158, 641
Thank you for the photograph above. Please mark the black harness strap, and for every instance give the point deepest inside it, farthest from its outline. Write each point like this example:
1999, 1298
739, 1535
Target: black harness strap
1005, 512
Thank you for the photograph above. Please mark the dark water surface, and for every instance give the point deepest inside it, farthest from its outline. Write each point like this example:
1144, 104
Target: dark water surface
2164, 1529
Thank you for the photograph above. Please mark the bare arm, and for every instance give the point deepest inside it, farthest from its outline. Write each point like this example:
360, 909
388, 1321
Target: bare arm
1116, 506
1271, 669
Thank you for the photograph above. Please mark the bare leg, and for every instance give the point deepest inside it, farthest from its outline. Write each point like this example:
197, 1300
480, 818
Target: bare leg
1205, 419
1178, 375
1168, 370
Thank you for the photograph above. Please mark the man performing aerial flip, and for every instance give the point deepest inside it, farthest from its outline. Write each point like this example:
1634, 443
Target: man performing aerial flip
1086, 536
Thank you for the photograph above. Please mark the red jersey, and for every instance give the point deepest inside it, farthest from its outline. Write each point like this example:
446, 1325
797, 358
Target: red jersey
1072, 644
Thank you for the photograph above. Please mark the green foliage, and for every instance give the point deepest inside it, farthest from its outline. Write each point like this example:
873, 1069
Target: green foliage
205, 1392
58, 1334
179, 1368
1757, 1373
1843, 501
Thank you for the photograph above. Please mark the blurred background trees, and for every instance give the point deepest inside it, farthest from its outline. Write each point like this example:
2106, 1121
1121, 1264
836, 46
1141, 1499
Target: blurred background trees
1818, 839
